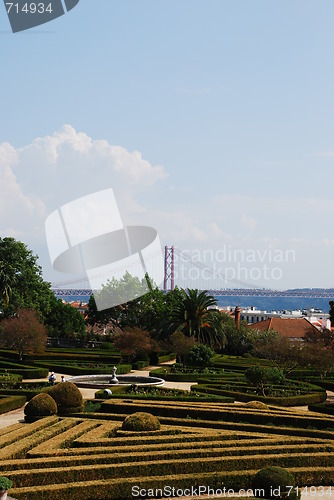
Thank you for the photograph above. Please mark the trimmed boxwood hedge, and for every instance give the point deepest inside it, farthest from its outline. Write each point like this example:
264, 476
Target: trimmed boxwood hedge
328, 409
11, 403
151, 397
73, 459
28, 393
138, 365
4, 363
224, 414
274, 478
29, 372
324, 383
300, 400
191, 377
118, 489
69, 356
141, 421
67, 396
40, 406
233, 465
83, 370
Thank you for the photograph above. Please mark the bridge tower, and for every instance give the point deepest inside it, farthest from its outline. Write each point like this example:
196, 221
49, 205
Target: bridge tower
169, 268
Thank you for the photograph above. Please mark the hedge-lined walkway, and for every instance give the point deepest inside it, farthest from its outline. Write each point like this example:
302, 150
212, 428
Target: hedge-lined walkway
92, 457
16, 416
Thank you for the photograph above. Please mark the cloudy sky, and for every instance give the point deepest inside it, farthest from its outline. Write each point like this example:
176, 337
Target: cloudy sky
212, 120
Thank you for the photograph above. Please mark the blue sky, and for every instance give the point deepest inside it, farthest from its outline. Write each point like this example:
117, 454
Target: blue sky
211, 120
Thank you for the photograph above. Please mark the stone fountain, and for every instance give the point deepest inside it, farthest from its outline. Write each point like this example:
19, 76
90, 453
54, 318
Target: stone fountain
106, 381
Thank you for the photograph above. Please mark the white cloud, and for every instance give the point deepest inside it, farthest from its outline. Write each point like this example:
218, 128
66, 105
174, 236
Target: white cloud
56, 169
16, 207
71, 163
59, 168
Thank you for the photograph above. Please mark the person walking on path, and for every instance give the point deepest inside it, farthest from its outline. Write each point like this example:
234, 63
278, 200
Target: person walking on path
52, 378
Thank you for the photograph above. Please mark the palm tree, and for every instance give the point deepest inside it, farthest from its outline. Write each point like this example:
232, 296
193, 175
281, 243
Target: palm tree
192, 316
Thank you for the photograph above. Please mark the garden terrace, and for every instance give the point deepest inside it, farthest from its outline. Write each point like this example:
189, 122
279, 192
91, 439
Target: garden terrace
231, 416
77, 368
71, 363
11, 402
24, 370
234, 384
288, 394
91, 457
157, 393
27, 389
238, 362
327, 408
172, 374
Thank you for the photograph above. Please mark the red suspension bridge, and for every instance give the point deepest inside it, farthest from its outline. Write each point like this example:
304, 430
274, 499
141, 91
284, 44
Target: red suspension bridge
180, 269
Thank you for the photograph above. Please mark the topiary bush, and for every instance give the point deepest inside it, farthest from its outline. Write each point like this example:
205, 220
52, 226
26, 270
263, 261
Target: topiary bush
141, 421
40, 406
275, 482
68, 398
5, 484
258, 405
260, 377
199, 355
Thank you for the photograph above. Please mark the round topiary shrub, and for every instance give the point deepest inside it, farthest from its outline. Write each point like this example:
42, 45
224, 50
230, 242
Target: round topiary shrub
141, 421
68, 398
257, 405
275, 482
40, 406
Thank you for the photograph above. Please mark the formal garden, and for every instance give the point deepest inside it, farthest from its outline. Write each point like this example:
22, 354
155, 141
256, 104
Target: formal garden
112, 452
241, 415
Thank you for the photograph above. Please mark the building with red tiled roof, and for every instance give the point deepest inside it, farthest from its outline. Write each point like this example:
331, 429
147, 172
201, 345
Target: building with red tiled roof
292, 328
80, 306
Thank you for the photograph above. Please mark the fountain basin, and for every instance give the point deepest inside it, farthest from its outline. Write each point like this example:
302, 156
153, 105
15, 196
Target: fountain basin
104, 381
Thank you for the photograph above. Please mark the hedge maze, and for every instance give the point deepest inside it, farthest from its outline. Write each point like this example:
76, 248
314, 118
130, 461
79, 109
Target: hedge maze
90, 456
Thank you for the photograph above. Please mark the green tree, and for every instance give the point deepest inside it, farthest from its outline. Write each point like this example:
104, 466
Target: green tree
24, 332
239, 341
150, 311
124, 314
22, 284
200, 355
63, 320
261, 377
193, 317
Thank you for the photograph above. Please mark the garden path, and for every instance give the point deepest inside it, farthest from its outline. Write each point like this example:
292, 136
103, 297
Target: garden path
16, 416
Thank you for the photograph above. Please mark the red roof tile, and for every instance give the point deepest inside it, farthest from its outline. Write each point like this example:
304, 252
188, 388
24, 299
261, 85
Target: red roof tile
287, 327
